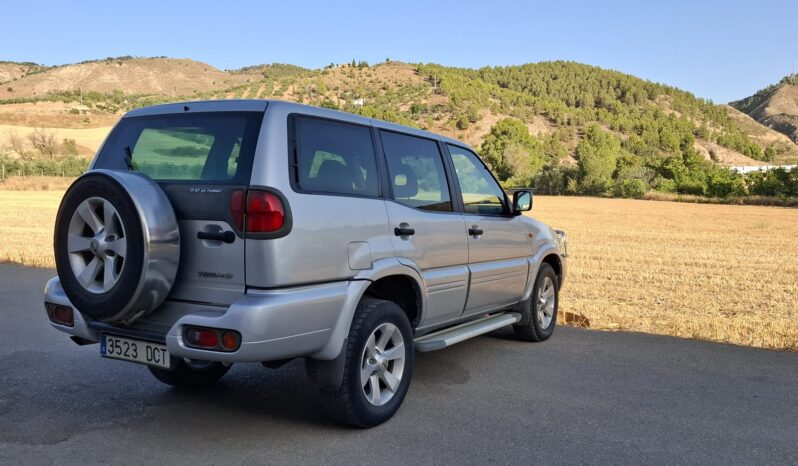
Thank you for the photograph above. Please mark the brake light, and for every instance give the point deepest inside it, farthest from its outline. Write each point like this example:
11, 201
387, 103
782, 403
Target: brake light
264, 212
256, 211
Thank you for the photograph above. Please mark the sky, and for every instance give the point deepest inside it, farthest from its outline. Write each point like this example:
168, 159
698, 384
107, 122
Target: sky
719, 50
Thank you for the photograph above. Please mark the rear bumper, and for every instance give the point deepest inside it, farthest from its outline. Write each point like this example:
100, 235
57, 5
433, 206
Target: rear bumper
274, 324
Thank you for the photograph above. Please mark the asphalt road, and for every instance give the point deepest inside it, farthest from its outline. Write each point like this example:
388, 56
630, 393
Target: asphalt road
582, 397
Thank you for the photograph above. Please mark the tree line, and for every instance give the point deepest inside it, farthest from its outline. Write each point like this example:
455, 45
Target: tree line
606, 165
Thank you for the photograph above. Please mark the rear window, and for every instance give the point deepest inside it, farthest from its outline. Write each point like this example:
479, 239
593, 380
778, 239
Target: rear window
334, 157
211, 146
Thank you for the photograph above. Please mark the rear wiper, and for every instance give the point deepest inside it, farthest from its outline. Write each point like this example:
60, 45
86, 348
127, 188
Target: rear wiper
129, 158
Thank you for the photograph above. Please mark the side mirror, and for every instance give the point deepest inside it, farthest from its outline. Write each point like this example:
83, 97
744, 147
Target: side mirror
522, 201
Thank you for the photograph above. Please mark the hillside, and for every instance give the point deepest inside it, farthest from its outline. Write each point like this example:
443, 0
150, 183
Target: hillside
775, 107
130, 76
11, 71
536, 124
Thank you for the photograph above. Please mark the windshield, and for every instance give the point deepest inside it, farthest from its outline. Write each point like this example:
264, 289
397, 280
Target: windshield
211, 146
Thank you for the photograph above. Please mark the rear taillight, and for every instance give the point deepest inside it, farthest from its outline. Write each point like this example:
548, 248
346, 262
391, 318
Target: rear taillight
264, 212
61, 315
212, 339
256, 211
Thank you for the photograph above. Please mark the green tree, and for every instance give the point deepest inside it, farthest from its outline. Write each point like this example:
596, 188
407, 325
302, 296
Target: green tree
512, 152
596, 155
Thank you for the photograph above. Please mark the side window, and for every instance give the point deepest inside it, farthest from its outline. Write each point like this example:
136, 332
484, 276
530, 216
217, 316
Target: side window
415, 171
481, 193
335, 157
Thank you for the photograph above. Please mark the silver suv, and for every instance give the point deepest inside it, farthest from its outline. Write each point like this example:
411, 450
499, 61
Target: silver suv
212, 233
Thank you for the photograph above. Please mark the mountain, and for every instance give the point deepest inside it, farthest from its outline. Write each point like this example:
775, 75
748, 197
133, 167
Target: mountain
775, 106
532, 122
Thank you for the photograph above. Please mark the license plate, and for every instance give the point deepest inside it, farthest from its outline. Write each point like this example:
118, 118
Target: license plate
143, 352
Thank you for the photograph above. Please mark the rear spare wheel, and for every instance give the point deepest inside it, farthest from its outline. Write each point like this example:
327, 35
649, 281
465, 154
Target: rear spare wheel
117, 245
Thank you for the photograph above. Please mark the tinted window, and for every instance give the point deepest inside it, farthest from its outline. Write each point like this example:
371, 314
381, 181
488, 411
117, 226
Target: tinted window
335, 157
416, 172
213, 146
481, 193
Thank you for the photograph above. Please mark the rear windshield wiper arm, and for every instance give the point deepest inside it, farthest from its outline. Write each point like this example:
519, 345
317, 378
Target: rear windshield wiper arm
129, 158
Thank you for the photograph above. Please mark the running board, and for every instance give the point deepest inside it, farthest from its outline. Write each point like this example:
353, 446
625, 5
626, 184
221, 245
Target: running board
449, 336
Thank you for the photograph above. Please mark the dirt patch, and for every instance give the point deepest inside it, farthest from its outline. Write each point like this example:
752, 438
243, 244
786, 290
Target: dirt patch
723, 155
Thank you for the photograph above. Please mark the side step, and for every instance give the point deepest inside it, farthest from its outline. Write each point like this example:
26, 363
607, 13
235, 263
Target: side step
449, 336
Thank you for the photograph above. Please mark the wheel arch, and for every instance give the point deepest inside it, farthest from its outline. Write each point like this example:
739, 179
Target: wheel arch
554, 260
376, 282
547, 255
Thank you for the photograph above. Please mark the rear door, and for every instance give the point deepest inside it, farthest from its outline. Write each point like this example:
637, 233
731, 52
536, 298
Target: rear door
199, 159
426, 231
498, 243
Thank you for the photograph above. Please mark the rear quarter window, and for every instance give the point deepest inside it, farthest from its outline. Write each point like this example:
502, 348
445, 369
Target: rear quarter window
334, 157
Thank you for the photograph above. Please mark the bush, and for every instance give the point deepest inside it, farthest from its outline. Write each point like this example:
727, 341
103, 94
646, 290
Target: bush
777, 182
633, 188
61, 166
327, 103
69, 147
691, 186
725, 183
553, 179
665, 185
417, 108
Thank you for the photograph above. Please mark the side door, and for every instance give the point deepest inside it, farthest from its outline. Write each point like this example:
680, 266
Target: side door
427, 232
498, 243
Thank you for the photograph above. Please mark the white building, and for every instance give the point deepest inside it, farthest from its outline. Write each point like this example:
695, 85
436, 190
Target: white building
760, 168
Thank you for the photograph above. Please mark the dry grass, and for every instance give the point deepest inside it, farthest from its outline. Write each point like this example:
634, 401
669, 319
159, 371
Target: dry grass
36, 183
713, 272
26, 226
88, 138
743, 200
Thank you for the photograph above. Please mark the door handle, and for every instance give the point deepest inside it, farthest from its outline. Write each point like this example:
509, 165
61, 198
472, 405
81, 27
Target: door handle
404, 231
475, 231
223, 236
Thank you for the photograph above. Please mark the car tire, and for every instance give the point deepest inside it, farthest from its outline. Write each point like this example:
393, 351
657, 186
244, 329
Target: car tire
191, 374
116, 245
377, 371
544, 302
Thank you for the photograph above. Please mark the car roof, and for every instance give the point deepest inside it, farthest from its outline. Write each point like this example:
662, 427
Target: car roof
259, 105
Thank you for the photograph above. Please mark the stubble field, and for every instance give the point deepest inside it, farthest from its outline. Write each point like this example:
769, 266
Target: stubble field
712, 272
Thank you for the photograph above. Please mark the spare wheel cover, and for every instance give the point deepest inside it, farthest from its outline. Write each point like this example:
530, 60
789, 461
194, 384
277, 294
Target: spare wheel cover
116, 244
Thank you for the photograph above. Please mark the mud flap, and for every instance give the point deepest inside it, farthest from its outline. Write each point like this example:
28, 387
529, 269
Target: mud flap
525, 309
327, 375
